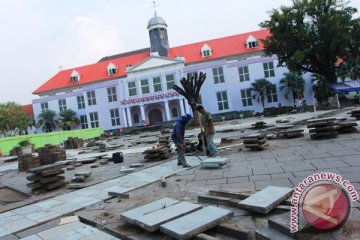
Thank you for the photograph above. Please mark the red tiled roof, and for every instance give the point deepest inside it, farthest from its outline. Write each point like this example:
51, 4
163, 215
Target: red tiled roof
221, 47
28, 109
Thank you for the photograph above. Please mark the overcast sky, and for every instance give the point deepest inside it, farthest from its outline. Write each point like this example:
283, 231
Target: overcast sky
38, 36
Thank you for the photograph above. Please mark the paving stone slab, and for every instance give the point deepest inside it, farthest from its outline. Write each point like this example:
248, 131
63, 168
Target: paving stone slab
196, 222
135, 213
213, 162
266, 200
152, 221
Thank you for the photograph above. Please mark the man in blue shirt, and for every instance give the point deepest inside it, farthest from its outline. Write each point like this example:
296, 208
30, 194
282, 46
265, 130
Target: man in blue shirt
178, 137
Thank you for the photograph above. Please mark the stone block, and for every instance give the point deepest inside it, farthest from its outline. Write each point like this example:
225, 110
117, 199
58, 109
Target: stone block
152, 221
270, 234
266, 200
135, 213
197, 222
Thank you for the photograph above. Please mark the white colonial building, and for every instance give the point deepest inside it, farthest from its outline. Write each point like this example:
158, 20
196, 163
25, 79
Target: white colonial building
127, 89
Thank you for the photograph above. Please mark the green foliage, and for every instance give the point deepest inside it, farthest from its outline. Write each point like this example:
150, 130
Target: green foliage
68, 119
293, 85
312, 36
47, 120
350, 69
261, 88
13, 119
24, 143
320, 89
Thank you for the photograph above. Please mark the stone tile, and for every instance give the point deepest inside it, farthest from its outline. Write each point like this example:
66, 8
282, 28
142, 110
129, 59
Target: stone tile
259, 177
266, 200
9, 216
237, 173
67, 208
216, 181
196, 183
238, 187
267, 170
349, 169
238, 179
344, 153
60, 230
208, 174
48, 204
40, 216
326, 165
298, 167
86, 230
308, 156
303, 173
259, 185
275, 176
83, 201
27, 209
19, 224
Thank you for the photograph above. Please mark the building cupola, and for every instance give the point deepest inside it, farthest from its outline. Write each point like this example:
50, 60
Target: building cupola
159, 42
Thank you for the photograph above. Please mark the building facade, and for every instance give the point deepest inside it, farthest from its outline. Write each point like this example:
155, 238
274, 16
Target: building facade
134, 88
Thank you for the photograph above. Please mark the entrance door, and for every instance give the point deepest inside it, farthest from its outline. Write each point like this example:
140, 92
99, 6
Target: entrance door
155, 116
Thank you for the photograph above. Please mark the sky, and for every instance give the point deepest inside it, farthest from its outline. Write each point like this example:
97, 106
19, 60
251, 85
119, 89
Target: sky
39, 37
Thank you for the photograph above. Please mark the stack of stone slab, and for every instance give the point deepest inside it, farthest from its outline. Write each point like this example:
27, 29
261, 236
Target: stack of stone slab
165, 144
346, 127
50, 154
156, 153
355, 113
46, 178
80, 177
180, 220
73, 143
260, 125
291, 133
256, 141
27, 161
322, 128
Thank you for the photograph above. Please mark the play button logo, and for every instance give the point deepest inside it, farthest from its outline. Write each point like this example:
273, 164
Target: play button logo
325, 206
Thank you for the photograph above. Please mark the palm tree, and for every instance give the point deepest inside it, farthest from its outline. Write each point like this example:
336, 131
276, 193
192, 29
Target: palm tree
47, 120
261, 88
293, 84
68, 119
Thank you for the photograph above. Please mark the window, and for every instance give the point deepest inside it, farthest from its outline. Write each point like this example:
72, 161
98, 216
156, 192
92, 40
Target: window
218, 75
253, 44
84, 122
112, 94
115, 117
170, 81
206, 50
162, 33
145, 86
74, 76
174, 112
111, 69
157, 84
81, 102
272, 95
269, 69
246, 97
44, 106
94, 119
244, 74
222, 99
62, 105
132, 88
91, 98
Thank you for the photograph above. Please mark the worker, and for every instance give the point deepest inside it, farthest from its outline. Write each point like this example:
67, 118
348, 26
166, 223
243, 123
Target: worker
208, 129
178, 137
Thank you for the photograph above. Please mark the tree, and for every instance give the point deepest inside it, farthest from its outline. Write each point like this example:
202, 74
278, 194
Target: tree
313, 36
350, 69
261, 88
293, 85
68, 119
47, 120
321, 92
191, 90
13, 119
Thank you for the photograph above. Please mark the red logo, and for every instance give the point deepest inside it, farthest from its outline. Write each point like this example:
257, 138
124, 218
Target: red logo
325, 206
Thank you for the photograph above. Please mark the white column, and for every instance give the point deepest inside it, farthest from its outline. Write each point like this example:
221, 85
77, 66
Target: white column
142, 113
129, 117
167, 111
124, 116
187, 107
181, 103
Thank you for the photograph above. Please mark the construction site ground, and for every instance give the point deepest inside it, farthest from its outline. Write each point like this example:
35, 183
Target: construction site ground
285, 163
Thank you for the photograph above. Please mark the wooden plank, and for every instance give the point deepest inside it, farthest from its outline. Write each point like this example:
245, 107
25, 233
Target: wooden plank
266, 200
195, 223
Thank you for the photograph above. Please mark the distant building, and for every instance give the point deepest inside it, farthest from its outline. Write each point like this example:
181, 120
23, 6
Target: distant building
129, 89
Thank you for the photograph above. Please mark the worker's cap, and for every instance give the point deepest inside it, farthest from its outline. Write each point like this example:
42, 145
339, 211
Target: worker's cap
187, 116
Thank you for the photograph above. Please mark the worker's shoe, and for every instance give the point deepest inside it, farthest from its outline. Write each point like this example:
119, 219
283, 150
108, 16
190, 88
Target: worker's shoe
180, 164
185, 165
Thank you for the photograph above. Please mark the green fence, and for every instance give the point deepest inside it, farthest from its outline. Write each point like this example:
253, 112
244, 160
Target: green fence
39, 140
